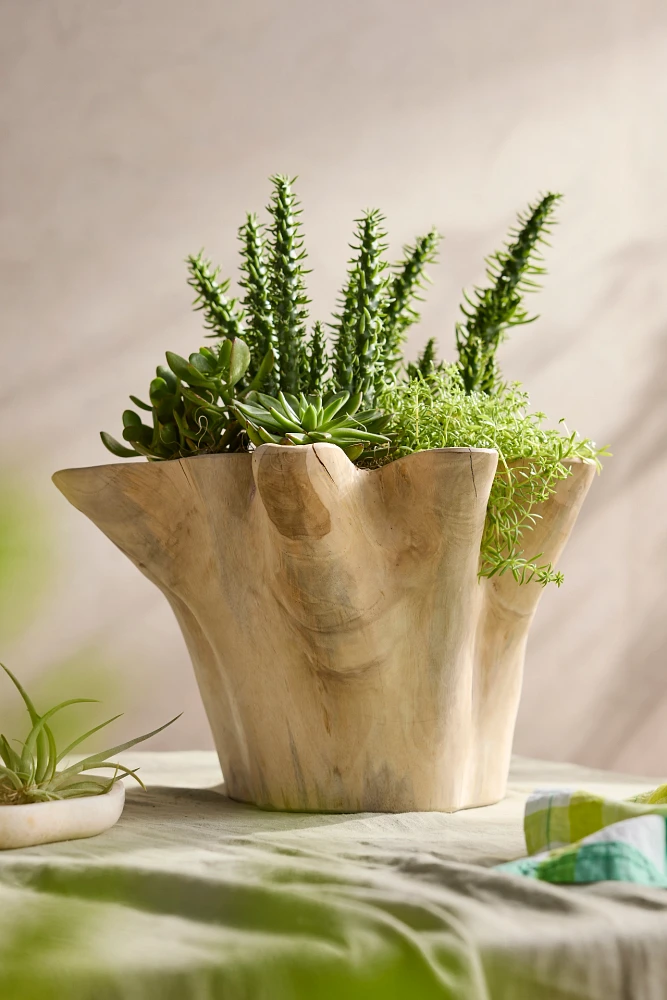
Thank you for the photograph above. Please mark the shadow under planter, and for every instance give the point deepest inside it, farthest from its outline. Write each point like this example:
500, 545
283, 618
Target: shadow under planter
347, 654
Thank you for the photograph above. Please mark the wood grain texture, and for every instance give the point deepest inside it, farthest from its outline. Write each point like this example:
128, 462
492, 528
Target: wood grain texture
348, 656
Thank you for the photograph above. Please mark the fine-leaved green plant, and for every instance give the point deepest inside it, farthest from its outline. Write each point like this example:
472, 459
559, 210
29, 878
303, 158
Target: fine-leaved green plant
33, 772
438, 412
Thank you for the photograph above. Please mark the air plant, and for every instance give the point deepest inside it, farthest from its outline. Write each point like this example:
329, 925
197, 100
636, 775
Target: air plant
32, 774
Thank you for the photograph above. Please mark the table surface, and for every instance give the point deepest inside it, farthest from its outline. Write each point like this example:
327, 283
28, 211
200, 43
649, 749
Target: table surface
195, 897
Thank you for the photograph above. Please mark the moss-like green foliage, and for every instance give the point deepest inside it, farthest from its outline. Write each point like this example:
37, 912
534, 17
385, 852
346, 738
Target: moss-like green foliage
439, 412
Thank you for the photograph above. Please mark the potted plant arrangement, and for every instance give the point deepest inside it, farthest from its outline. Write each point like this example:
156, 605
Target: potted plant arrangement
354, 547
45, 797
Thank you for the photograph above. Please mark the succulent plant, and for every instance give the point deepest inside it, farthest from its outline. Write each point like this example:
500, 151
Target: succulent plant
336, 419
33, 775
191, 404
272, 378
264, 344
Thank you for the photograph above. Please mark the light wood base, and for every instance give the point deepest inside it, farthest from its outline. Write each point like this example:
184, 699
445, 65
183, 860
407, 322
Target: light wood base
348, 656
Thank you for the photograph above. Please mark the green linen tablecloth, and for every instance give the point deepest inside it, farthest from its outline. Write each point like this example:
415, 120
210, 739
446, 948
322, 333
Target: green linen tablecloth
195, 897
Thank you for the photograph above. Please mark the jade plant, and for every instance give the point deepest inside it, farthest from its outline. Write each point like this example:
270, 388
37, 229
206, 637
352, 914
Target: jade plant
271, 377
34, 773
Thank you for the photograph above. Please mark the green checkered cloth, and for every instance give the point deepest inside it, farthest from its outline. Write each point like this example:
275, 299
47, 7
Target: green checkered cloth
573, 836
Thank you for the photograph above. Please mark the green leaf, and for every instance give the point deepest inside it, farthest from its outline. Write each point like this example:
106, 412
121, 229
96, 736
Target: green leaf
353, 404
42, 744
285, 422
239, 361
131, 419
141, 404
309, 419
125, 771
168, 376
80, 739
88, 787
265, 369
225, 353
202, 363
98, 758
138, 434
28, 762
9, 755
333, 405
12, 776
116, 448
185, 371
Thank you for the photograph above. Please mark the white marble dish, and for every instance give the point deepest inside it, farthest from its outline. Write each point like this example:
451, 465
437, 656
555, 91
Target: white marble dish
64, 819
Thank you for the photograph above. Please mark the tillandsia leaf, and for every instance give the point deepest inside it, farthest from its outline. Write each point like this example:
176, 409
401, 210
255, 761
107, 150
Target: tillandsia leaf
101, 757
120, 769
80, 739
12, 776
287, 290
490, 312
82, 788
32, 776
42, 745
31, 758
221, 315
409, 279
9, 755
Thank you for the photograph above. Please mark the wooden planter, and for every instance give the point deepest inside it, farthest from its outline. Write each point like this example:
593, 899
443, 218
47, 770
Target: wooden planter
348, 656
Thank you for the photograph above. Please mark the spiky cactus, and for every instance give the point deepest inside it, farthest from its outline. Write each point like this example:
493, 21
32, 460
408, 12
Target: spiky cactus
201, 404
287, 289
491, 312
221, 315
261, 331
404, 290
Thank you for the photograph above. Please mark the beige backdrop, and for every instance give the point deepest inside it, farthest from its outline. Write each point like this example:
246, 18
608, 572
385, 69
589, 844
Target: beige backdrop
135, 131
